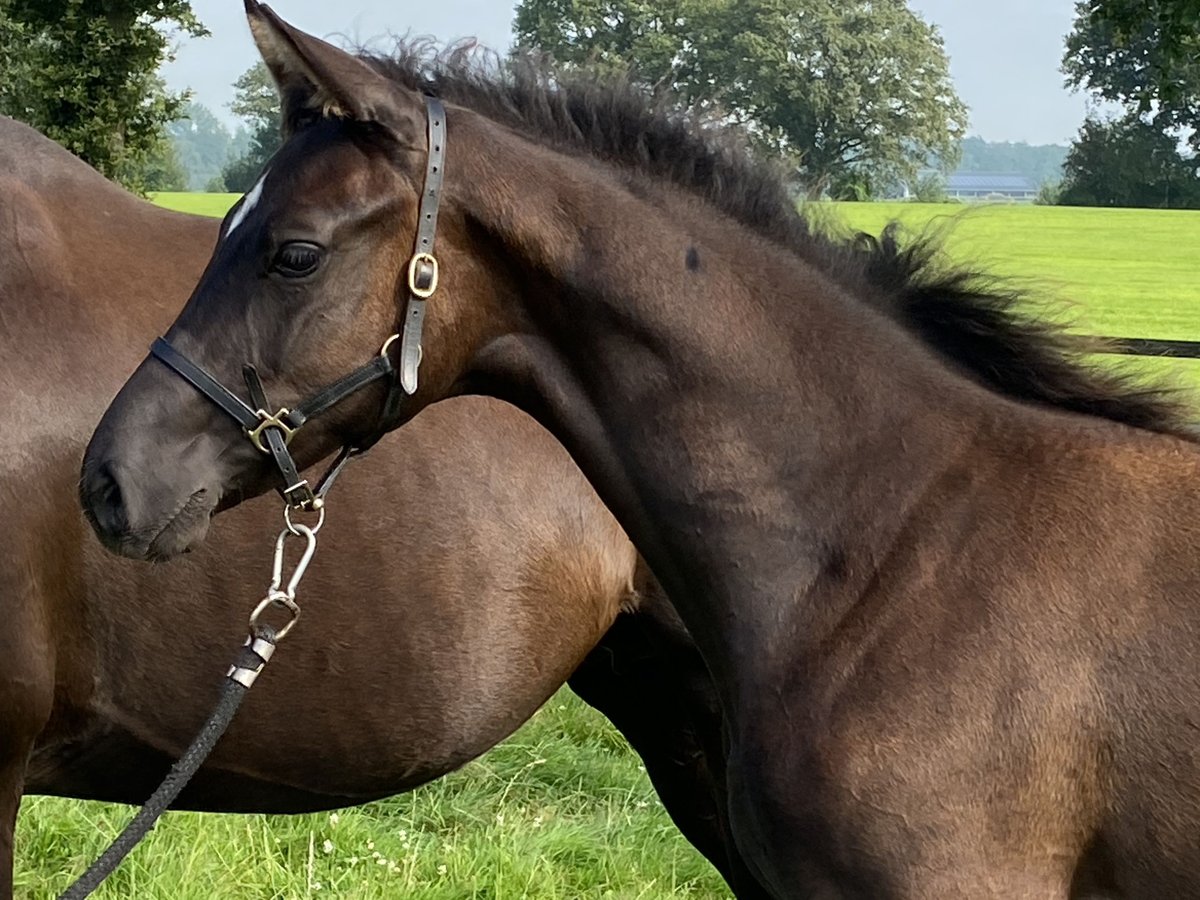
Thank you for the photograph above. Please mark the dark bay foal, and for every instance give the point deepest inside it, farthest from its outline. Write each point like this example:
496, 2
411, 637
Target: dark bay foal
423, 641
953, 630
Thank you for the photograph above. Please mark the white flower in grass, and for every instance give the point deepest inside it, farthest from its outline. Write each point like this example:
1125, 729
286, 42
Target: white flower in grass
441, 870
316, 886
376, 855
327, 846
499, 818
334, 819
381, 861
393, 868
537, 821
370, 845
641, 804
403, 835
353, 860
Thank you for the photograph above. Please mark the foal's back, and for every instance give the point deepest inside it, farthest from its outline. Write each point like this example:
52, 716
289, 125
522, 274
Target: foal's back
85, 270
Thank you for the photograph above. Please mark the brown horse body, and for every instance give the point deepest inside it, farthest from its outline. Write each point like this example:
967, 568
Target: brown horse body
422, 642
953, 633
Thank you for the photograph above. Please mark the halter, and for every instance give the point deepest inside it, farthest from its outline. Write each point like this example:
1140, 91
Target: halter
272, 432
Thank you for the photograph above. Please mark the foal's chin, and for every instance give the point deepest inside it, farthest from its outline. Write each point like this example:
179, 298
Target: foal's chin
176, 535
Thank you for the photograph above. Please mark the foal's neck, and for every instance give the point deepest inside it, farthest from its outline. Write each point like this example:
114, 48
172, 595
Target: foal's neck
759, 435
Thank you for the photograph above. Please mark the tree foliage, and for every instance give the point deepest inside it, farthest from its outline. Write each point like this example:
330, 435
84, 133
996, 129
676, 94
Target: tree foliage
256, 101
202, 144
1040, 163
84, 73
1144, 54
855, 92
1128, 162
162, 169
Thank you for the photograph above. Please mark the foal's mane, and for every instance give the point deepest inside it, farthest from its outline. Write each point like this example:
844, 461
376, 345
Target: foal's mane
972, 321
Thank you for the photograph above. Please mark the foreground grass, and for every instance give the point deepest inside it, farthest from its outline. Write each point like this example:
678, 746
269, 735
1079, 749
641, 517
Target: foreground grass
563, 810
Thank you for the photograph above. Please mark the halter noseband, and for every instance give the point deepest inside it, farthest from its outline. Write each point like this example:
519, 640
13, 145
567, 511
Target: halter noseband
272, 432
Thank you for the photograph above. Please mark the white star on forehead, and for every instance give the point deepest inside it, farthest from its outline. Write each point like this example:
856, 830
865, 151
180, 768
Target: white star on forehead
248, 203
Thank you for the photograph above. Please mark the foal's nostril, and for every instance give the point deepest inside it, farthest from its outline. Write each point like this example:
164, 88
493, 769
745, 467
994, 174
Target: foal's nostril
104, 501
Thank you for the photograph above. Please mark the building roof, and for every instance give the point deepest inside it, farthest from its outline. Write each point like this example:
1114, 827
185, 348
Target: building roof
998, 182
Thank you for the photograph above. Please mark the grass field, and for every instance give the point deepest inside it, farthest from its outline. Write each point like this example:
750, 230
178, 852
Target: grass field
563, 810
200, 204
1117, 272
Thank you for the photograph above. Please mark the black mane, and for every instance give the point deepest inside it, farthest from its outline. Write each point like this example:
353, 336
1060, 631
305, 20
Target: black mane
972, 321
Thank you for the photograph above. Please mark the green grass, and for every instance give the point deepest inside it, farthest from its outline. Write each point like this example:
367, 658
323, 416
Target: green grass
563, 809
1131, 272
1117, 272
200, 204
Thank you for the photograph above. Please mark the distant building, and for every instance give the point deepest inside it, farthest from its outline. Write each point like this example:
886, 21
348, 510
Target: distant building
974, 186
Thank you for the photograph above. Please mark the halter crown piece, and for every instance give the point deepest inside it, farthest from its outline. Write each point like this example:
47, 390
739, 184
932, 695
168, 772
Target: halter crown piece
272, 432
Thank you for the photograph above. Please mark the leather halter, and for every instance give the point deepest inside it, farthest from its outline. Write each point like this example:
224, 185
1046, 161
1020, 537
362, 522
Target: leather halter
272, 432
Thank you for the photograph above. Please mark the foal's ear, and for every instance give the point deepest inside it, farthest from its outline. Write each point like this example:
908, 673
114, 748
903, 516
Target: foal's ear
316, 78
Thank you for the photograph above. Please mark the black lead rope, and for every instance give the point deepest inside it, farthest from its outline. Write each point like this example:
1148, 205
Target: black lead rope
249, 663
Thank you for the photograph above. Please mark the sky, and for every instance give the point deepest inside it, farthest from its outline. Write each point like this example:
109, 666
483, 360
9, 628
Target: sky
1004, 57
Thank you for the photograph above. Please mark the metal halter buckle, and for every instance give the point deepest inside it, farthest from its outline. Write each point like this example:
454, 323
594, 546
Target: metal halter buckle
270, 421
423, 275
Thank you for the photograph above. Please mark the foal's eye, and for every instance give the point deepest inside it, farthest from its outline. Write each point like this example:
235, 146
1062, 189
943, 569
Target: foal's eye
296, 259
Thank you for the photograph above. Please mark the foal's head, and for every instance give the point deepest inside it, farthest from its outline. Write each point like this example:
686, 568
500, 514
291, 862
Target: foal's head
310, 277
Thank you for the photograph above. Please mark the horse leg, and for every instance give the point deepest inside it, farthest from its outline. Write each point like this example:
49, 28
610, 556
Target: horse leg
26, 696
12, 778
648, 679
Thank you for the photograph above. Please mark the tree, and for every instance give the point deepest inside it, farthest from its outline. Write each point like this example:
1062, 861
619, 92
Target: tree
855, 92
256, 100
651, 39
1040, 163
202, 144
1144, 54
162, 170
1128, 162
83, 72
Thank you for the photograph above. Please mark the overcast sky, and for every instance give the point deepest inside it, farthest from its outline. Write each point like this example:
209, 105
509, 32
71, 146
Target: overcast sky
1004, 56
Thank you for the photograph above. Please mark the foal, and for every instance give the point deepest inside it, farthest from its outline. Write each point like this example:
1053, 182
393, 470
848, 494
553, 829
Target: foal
952, 633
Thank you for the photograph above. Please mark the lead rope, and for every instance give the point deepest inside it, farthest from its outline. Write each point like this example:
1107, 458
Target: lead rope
247, 666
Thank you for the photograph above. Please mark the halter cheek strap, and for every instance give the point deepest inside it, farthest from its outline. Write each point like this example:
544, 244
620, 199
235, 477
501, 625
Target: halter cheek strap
272, 432
423, 267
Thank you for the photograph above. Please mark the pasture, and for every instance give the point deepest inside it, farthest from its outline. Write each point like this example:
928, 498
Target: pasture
563, 810
1117, 272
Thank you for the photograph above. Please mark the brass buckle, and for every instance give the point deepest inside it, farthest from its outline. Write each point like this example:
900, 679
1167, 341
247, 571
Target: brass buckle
269, 421
429, 261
